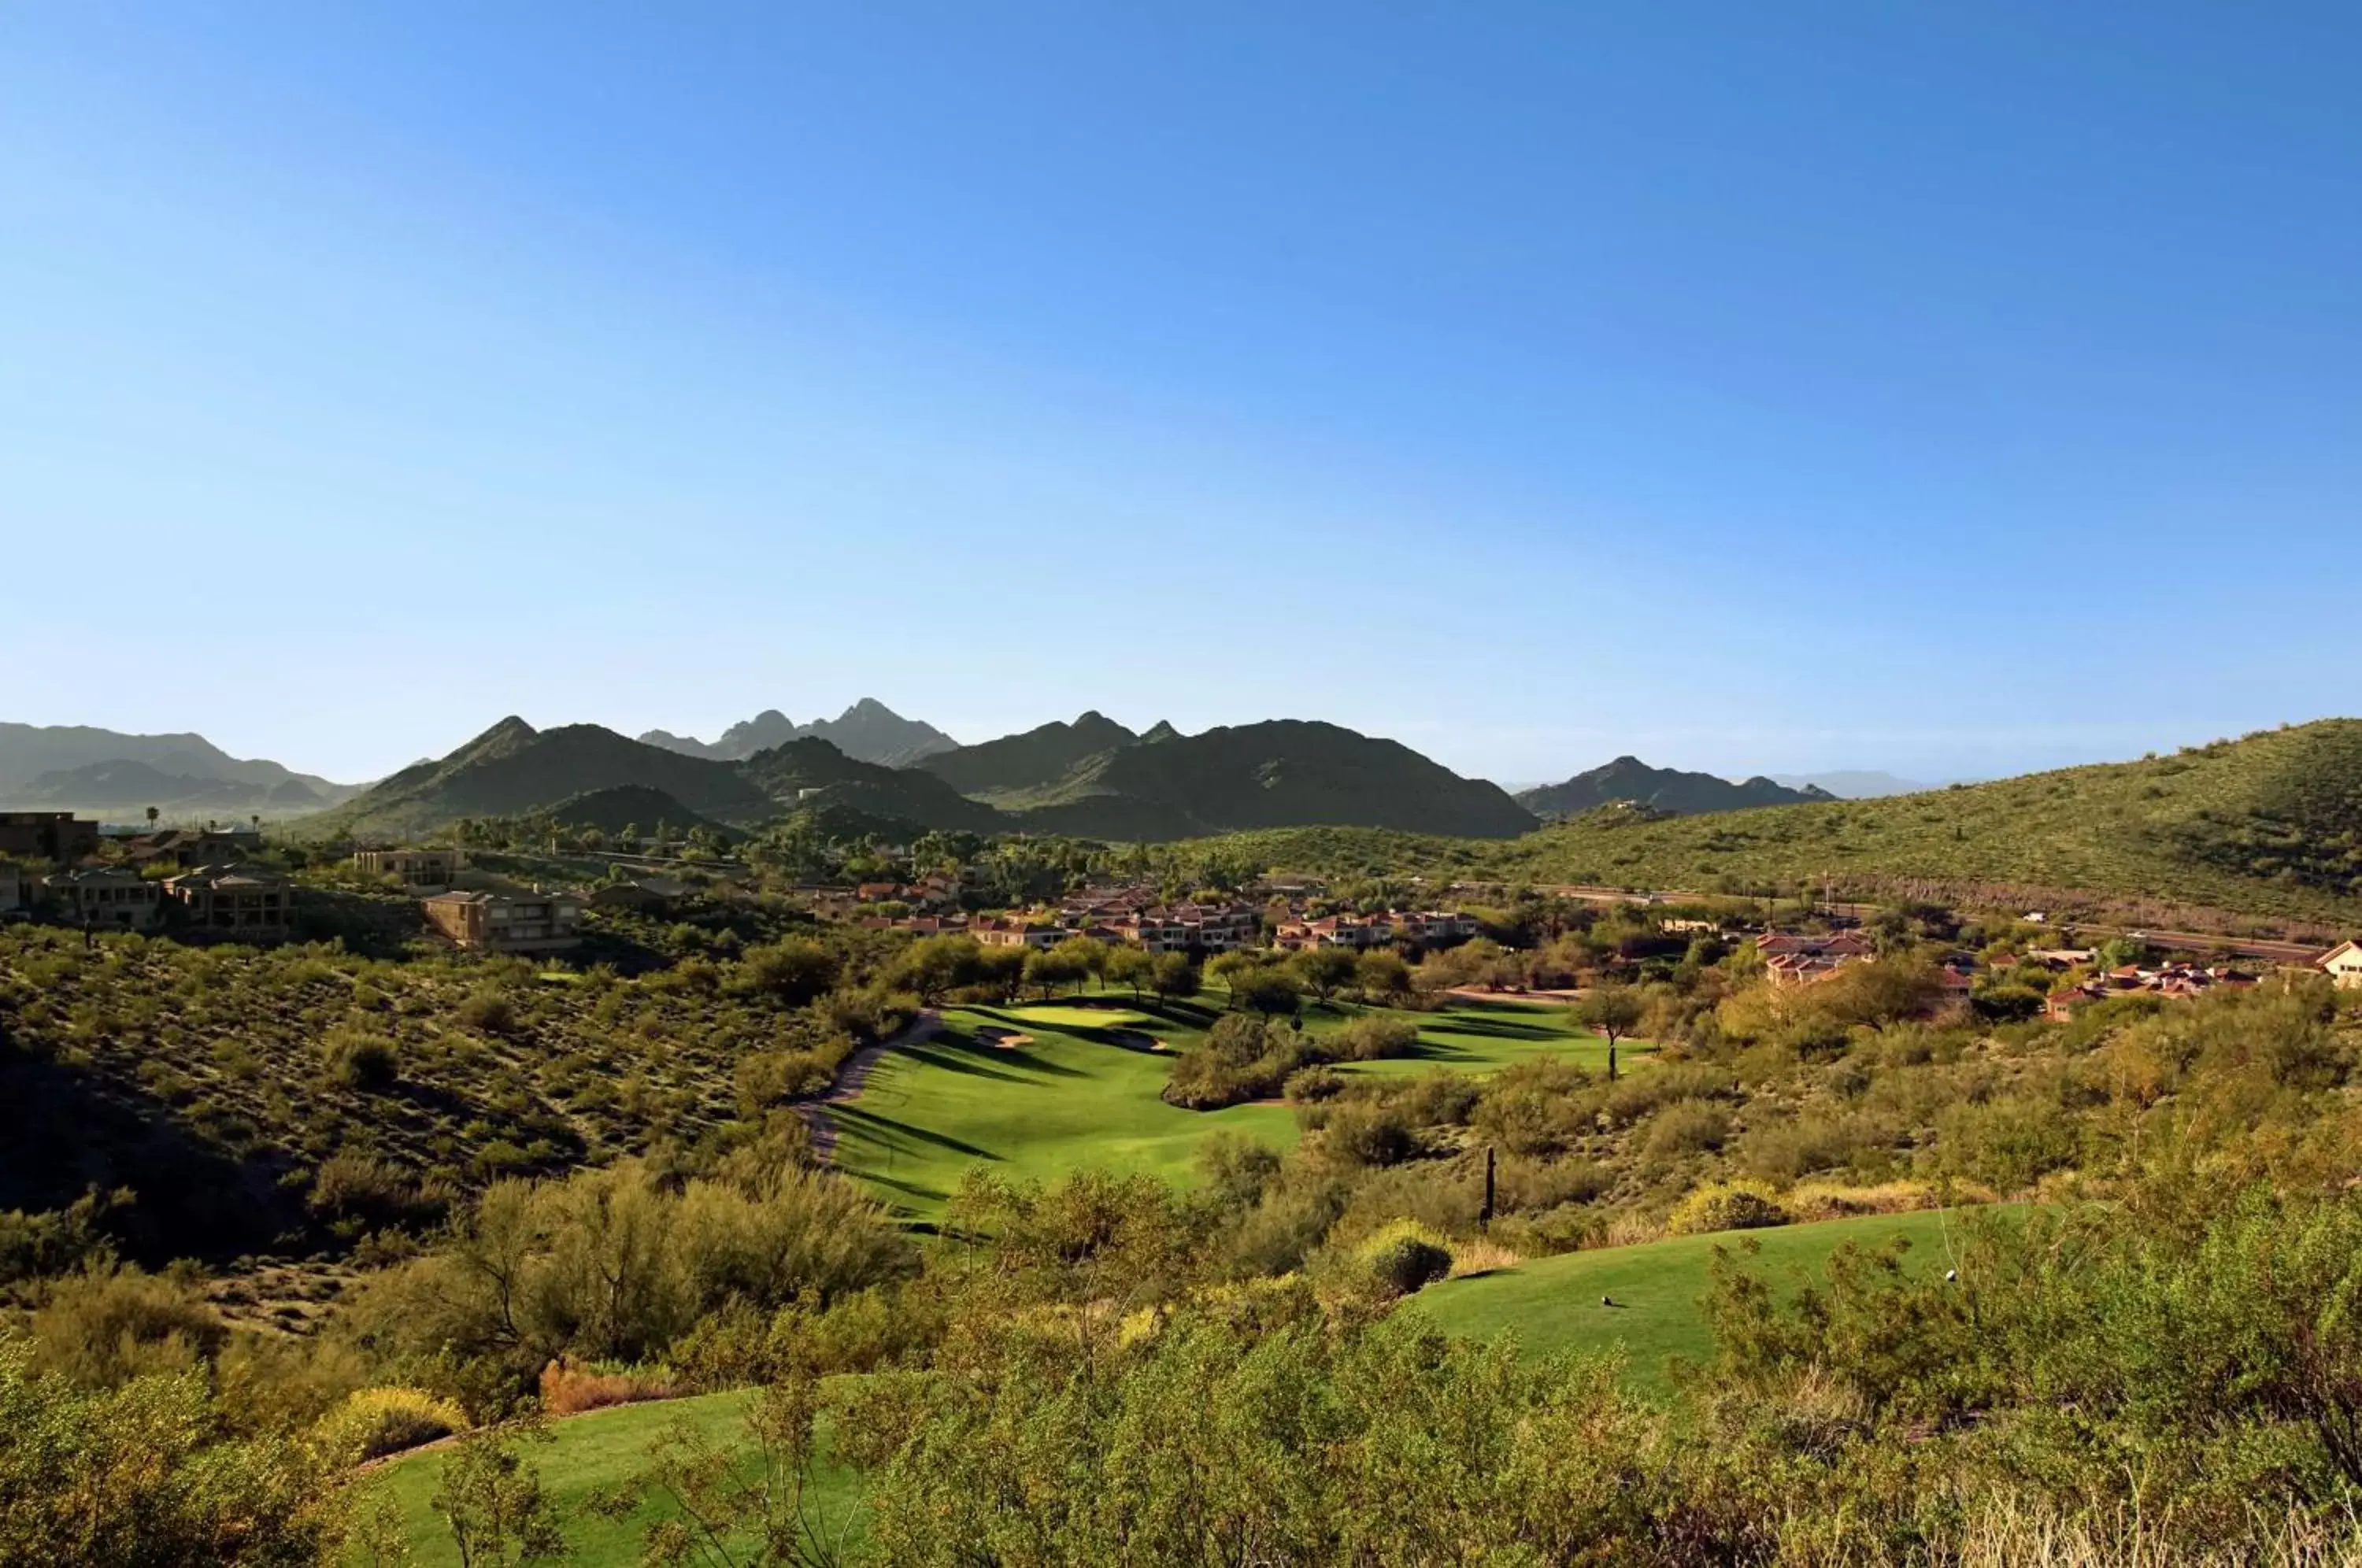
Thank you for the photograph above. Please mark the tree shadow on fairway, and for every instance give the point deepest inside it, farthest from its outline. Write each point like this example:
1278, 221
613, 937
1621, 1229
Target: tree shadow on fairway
1498, 1029
884, 1131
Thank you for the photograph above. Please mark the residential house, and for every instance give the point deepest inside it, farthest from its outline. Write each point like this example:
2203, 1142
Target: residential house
641, 893
418, 870
507, 922
2343, 965
245, 901
189, 847
56, 838
1001, 931
1799, 958
106, 896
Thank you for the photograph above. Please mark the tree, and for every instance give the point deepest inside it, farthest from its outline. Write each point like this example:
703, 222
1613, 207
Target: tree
1613, 1011
1381, 972
1175, 976
1324, 970
1266, 991
494, 1504
1129, 966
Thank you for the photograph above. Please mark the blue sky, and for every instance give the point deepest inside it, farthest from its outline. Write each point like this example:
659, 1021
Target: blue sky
1950, 390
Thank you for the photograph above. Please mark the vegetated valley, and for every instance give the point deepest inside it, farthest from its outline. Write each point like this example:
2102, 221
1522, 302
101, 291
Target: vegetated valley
850, 1186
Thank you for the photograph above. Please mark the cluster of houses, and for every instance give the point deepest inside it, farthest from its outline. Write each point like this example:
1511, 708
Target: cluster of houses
1423, 928
1796, 958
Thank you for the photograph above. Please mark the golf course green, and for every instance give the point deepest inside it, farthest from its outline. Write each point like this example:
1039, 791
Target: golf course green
1658, 1288
586, 1456
1042, 1091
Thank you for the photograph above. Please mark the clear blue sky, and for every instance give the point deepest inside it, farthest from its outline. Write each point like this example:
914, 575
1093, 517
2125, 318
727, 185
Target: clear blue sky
1945, 389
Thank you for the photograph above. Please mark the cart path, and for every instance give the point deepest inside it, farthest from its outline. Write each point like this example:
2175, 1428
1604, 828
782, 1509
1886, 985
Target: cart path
852, 1077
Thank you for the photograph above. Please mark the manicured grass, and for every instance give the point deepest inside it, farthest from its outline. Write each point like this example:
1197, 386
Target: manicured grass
1658, 1288
585, 1455
1083, 1095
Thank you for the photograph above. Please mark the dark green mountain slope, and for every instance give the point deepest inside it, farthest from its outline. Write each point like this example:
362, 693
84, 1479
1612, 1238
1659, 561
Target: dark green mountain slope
1037, 759
813, 774
1286, 772
512, 769
1667, 790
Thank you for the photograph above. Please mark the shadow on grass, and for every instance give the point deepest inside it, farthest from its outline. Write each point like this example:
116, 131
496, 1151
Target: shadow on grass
852, 1122
1498, 1028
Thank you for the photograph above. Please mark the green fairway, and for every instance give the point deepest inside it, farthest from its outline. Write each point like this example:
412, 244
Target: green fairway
585, 1455
1081, 1093
1658, 1288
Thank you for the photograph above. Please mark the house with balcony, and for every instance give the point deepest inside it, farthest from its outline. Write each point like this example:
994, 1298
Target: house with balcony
107, 896
418, 870
247, 902
486, 922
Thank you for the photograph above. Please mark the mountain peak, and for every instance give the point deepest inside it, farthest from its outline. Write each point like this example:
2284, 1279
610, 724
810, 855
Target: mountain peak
1666, 789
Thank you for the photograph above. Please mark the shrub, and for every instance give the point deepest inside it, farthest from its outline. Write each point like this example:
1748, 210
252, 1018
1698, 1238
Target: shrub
373, 1422
1371, 1040
568, 1388
1727, 1206
1686, 1127
360, 1060
488, 1013
1404, 1257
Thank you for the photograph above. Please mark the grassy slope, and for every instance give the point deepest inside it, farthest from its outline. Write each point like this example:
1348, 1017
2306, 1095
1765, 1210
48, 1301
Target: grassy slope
2271, 826
1659, 1289
584, 1455
1082, 1096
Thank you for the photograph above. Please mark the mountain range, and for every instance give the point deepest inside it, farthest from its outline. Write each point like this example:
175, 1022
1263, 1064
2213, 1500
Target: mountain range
867, 731
1092, 779
1666, 789
80, 768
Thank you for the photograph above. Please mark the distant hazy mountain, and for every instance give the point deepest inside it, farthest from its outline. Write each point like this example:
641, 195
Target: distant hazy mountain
84, 768
867, 731
1854, 784
1660, 789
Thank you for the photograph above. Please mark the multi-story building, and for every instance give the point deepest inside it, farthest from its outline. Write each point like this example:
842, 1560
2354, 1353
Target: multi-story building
59, 838
507, 922
995, 931
416, 869
245, 901
106, 896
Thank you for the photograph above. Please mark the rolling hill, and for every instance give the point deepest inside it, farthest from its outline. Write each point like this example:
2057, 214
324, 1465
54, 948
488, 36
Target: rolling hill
1666, 789
80, 768
2268, 825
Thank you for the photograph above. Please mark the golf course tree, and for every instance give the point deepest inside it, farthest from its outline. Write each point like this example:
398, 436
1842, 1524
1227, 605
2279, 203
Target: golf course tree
1612, 1010
1324, 971
1131, 967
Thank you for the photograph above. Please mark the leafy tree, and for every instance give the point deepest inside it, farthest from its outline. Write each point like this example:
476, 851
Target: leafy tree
1131, 967
493, 1502
1175, 976
1612, 1010
1324, 971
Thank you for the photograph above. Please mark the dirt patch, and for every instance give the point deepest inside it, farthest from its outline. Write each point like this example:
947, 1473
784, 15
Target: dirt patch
1003, 1039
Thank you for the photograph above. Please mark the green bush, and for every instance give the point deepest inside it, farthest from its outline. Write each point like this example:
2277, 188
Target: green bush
1727, 1206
